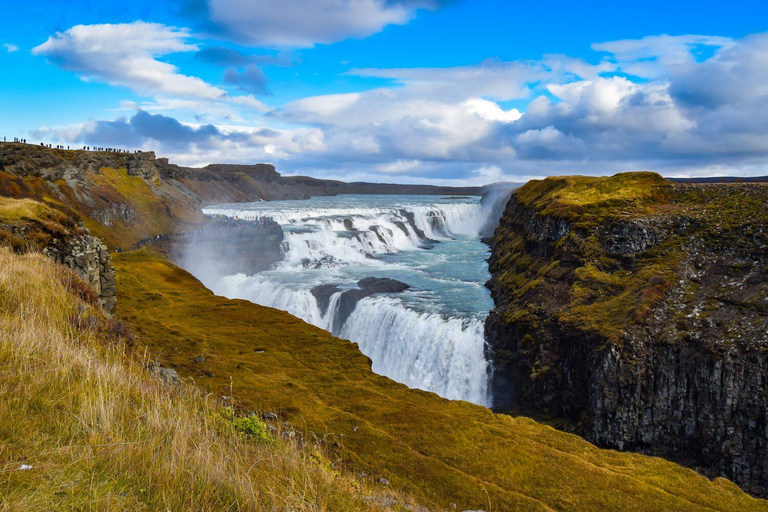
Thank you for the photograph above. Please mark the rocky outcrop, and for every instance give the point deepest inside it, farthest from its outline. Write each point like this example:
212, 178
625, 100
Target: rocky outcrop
640, 314
56, 164
349, 299
90, 260
114, 212
58, 233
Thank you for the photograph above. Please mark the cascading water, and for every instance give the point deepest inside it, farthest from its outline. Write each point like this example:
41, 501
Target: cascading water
429, 336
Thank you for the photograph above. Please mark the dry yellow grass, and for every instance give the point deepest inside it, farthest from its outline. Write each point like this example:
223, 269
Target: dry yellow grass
84, 427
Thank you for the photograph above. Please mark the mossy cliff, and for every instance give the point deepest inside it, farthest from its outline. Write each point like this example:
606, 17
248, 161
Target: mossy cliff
638, 310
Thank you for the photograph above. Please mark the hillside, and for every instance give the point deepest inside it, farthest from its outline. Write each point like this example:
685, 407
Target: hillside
346, 438
85, 426
440, 451
638, 310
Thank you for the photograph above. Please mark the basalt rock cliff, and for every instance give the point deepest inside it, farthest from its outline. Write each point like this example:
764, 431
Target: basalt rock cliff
638, 309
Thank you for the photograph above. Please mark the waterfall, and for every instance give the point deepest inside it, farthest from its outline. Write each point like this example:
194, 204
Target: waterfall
414, 337
342, 236
421, 350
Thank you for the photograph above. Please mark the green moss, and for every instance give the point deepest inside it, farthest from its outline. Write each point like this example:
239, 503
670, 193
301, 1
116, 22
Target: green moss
592, 200
250, 426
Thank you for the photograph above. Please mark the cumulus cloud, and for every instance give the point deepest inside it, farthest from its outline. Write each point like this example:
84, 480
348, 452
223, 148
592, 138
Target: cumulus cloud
445, 114
251, 80
126, 55
10, 47
304, 23
681, 108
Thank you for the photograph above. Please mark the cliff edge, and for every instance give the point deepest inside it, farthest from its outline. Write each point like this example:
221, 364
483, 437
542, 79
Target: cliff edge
638, 309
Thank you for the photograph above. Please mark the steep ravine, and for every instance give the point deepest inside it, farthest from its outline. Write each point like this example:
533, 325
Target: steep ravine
638, 310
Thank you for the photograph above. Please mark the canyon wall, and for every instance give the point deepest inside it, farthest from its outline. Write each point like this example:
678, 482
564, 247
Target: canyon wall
638, 310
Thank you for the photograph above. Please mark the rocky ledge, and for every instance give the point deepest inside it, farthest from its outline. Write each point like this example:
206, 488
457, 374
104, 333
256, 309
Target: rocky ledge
53, 230
638, 310
90, 260
348, 299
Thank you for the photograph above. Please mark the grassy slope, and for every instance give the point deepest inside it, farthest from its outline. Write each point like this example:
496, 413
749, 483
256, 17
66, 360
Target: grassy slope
441, 451
30, 225
100, 433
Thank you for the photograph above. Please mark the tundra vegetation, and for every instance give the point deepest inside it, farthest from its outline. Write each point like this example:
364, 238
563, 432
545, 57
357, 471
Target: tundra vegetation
261, 410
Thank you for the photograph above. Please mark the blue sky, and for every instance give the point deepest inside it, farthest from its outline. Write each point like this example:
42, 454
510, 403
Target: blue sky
461, 91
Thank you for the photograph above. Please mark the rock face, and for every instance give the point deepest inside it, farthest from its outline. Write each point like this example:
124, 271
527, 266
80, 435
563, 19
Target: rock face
114, 212
638, 310
349, 299
90, 260
59, 234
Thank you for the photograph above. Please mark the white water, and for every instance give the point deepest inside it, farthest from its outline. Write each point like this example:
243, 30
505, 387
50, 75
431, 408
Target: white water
424, 350
428, 337
313, 234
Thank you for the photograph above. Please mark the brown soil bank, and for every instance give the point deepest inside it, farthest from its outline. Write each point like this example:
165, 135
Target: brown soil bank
638, 309
442, 452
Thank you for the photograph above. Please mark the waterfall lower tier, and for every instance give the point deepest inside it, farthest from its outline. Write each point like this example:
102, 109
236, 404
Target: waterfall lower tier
421, 350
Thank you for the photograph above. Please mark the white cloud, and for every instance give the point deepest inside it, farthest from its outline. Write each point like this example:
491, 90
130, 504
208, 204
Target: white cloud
126, 55
304, 23
10, 47
689, 113
495, 79
689, 107
653, 56
190, 143
491, 111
